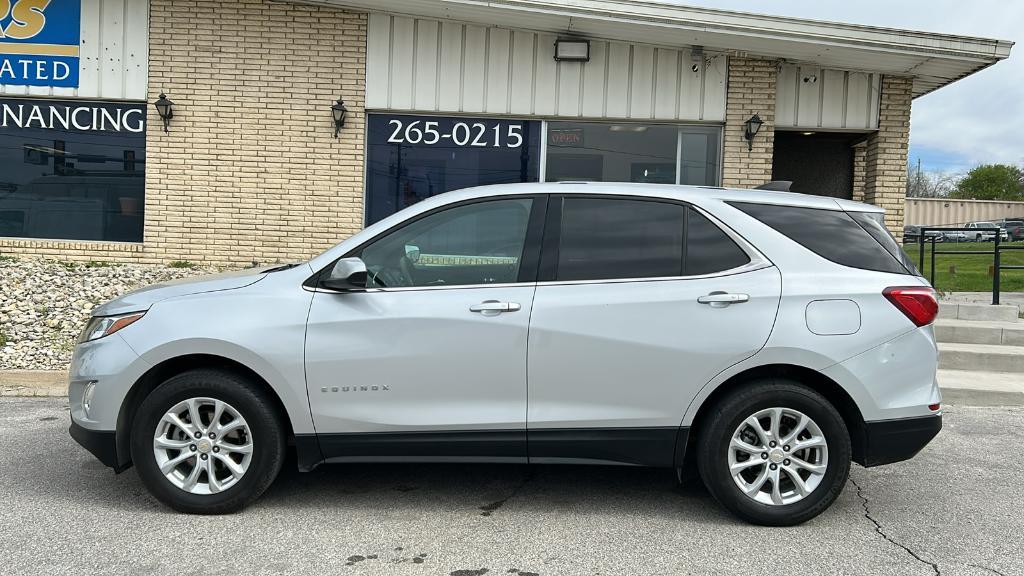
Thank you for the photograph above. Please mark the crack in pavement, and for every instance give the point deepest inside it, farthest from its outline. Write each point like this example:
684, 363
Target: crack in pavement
986, 568
881, 531
489, 508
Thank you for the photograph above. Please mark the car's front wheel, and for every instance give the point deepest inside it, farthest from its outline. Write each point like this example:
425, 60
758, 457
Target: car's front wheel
207, 442
774, 452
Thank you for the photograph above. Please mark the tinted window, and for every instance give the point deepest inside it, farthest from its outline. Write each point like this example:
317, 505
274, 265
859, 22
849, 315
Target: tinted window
410, 158
72, 170
875, 225
831, 234
478, 243
708, 248
615, 238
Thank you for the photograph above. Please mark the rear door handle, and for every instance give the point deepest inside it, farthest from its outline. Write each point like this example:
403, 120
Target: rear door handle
494, 307
723, 299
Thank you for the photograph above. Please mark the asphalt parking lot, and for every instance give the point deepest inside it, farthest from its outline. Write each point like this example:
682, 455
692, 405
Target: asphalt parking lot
955, 509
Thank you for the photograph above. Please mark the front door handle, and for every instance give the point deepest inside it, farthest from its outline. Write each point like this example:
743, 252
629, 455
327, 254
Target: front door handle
494, 307
723, 299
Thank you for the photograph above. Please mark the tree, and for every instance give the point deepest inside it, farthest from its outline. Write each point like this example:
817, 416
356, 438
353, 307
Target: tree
992, 182
930, 184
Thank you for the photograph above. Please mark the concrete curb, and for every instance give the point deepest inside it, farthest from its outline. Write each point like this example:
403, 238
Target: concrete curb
46, 383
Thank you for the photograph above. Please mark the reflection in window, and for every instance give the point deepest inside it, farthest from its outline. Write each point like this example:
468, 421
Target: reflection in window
627, 152
411, 158
67, 183
480, 243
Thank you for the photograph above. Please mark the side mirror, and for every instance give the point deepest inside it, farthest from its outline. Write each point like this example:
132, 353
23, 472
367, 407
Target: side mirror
348, 275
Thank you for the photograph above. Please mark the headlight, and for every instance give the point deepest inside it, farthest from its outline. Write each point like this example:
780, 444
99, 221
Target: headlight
100, 326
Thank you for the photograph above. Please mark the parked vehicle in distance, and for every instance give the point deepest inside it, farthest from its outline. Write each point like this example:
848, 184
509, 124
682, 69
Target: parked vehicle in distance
1014, 229
954, 236
912, 235
985, 232
767, 338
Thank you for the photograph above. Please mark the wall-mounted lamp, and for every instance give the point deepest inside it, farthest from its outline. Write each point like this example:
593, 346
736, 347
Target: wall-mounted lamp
165, 108
339, 111
568, 50
750, 129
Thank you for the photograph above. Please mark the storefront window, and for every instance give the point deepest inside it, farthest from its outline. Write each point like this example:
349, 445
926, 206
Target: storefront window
72, 170
626, 152
410, 158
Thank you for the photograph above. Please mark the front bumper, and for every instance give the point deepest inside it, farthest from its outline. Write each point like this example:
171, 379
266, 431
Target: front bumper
888, 441
101, 443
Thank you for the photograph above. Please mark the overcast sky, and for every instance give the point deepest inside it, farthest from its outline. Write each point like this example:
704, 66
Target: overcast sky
979, 119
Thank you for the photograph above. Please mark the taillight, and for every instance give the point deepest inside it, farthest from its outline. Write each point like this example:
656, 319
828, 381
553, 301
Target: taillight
916, 302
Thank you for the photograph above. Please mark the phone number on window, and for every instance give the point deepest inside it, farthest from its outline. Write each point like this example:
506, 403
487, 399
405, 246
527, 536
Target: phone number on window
461, 134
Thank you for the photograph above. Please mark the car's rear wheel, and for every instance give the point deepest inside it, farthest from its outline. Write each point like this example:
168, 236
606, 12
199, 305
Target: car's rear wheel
207, 442
774, 452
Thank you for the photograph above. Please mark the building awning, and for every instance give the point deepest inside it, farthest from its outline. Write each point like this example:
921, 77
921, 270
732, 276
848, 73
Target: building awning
933, 60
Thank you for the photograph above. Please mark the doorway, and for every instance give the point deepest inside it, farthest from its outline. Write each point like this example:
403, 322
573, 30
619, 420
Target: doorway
819, 163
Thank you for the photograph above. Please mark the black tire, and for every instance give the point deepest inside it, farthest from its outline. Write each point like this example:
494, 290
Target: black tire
727, 415
268, 440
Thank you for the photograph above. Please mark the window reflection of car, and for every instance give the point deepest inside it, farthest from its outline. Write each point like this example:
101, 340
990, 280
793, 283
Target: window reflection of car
985, 232
78, 207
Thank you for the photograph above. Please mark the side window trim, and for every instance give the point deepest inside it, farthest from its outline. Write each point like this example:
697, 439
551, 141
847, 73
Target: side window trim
547, 275
530, 258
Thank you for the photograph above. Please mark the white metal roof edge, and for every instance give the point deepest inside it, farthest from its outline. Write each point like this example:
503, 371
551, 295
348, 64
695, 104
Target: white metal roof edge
966, 53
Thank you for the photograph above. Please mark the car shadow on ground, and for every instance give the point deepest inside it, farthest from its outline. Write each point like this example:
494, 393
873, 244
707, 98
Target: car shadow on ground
414, 488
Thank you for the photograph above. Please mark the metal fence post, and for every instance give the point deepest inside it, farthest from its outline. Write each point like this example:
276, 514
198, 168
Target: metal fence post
996, 264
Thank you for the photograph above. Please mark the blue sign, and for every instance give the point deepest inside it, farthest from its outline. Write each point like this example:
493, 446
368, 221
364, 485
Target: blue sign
39, 42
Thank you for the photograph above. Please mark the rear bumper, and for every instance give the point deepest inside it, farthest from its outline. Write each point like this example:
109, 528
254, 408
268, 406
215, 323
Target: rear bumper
101, 443
889, 441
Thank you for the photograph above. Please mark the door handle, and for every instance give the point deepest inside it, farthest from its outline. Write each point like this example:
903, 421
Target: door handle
494, 307
723, 299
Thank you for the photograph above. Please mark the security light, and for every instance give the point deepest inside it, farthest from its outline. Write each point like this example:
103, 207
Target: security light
572, 50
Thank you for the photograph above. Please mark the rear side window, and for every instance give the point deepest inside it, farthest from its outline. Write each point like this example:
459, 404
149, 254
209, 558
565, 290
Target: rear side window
873, 223
608, 238
831, 234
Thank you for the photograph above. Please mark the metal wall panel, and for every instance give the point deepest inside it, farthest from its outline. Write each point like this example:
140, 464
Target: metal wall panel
477, 69
950, 212
813, 97
113, 54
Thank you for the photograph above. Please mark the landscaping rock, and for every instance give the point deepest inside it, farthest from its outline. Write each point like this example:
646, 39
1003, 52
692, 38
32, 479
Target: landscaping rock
44, 304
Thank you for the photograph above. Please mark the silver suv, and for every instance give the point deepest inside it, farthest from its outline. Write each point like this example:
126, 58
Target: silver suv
766, 340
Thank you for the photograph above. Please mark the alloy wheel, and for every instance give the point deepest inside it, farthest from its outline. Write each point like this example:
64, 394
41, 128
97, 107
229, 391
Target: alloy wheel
778, 456
203, 445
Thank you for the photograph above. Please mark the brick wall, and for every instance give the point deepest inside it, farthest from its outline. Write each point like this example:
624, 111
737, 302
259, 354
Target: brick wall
859, 153
250, 170
751, 90
885, 160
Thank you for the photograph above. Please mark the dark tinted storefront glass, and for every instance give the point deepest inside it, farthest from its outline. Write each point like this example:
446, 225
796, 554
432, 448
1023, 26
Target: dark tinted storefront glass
410, 158
72, 170
654, 153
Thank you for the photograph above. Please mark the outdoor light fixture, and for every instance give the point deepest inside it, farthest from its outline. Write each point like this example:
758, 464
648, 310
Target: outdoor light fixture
572, 50
165, 108
750, 129
338, 110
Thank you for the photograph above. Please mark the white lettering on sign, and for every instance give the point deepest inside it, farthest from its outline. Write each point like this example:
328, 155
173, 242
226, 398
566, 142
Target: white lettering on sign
84, 118
473, 134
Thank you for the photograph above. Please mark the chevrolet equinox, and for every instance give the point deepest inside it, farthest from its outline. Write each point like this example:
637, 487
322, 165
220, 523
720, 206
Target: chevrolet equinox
767, 339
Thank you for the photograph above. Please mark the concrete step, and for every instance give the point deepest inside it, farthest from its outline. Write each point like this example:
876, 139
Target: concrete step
979, 388
978, 312
979, 332
988, 357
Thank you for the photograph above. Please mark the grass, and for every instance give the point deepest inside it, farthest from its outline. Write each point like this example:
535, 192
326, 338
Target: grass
181, 264
3, 339
971, 272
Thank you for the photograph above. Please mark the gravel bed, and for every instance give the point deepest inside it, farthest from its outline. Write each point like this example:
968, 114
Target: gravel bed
44, 304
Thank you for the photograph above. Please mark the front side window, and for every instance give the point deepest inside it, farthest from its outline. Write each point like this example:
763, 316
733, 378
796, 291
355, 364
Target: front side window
480, 243
611, 238
72, 170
